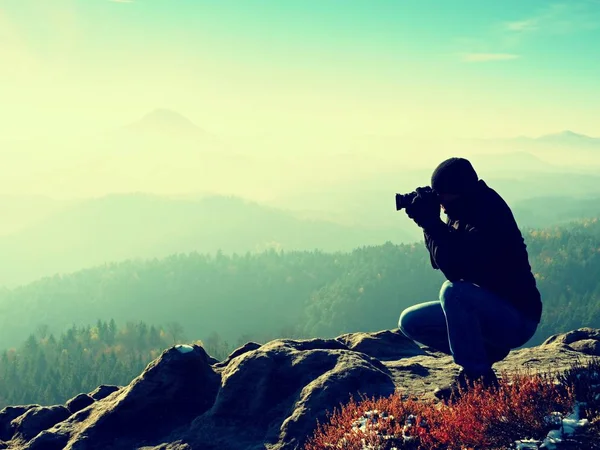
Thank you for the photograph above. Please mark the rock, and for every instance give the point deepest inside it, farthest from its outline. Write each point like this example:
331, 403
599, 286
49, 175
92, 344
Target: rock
587, 346
49, 440
171, 446
282, 389
7, 415
573, 336
103, 391
212, 360
80, 402
170, 393
35, 420
247, 347
261, 396
383, 345
184, 348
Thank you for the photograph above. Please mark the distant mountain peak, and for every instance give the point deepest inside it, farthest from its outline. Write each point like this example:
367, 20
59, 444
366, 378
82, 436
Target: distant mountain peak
167, 116
564, 135
163, 120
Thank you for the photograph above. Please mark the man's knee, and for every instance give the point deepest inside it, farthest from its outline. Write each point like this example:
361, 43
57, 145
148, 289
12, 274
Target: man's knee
452, 294
405, 323
448, 293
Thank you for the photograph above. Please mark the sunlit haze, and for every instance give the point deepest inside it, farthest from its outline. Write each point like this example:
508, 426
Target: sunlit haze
222, 174
281, 81
320, 109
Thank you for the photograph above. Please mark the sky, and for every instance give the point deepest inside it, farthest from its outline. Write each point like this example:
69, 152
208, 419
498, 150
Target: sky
463, 68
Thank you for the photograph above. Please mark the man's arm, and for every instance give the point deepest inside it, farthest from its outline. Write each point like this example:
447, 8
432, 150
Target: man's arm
455, 253
428, 245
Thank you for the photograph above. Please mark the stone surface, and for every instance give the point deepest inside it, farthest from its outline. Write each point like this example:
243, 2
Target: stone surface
280, 389
103, 391
79, 402
587, 346
261, 396
573, 336
169, 394
248, 347
35, 420
7, 415
383, 345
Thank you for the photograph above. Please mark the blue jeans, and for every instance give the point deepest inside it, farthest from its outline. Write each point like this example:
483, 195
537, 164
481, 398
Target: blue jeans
474, 325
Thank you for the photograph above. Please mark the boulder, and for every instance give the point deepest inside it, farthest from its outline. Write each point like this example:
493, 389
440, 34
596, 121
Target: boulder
170, 393
247, 347
34, 420
587, 346
383, 345
80, 402
281, 389
103, 391
573, 336
7, 415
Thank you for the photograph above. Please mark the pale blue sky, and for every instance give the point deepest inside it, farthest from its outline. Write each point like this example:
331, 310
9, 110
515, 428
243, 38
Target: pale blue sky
465, 68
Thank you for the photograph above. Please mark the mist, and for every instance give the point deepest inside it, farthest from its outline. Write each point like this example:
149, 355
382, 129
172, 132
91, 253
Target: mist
221, 173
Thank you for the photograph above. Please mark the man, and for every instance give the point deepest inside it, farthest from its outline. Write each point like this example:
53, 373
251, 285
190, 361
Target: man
490, 303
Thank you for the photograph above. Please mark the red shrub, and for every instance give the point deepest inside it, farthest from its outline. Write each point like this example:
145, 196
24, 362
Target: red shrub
383, 429
496, 418
479, 419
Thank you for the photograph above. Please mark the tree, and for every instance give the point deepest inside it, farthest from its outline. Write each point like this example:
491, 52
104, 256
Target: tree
176, 331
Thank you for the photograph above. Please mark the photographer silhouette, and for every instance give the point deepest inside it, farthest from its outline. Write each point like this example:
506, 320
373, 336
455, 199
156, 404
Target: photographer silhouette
490, 303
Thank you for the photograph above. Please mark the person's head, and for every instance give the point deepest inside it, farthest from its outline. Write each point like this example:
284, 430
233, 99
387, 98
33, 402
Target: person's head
454, 180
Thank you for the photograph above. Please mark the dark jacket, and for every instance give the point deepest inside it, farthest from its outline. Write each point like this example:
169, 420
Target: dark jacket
486, 248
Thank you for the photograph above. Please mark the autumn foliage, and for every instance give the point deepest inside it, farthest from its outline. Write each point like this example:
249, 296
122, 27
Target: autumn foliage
523, 407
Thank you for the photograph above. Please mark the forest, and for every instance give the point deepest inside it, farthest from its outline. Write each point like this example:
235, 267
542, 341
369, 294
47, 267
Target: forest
67, 334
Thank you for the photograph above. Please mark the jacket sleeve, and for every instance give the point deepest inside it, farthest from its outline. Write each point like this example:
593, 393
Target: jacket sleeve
456, 253
428, 245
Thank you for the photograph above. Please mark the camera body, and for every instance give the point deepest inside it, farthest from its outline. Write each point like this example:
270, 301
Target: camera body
404, 200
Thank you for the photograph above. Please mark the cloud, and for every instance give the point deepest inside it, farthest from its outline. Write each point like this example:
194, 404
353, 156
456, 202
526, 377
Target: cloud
559, 18
523, 25
504, 40
486, 57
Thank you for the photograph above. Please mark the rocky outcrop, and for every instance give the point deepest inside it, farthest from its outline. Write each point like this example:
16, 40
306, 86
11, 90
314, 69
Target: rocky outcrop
383, 345
37, 419
103, 391
7, 415
79, 402
261, 396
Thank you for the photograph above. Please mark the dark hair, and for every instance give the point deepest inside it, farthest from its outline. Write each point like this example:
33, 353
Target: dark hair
454, 176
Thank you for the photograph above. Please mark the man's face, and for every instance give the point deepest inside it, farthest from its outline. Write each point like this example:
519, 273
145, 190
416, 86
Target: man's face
450, 204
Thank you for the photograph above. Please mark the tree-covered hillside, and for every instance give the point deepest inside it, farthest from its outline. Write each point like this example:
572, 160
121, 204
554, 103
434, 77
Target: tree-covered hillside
294, 293
120, 227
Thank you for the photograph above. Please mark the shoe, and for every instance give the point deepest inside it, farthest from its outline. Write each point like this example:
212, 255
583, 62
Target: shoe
463, 382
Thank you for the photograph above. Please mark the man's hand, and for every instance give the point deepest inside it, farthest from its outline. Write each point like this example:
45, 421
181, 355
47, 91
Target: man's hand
425, 208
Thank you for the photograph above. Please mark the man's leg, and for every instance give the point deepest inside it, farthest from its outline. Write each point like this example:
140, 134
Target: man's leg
426, 323
479, 320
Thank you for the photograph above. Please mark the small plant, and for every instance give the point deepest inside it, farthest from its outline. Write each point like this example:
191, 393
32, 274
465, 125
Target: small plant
383, 423
524, 406
585, 382
496, 418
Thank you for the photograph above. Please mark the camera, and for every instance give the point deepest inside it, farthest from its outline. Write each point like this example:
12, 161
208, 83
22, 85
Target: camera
404, 200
